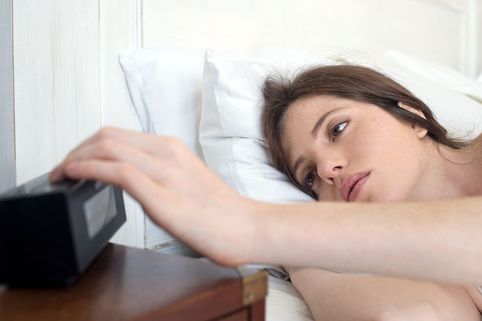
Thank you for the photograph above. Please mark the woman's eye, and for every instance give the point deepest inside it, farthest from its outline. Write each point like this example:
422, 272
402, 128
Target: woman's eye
309, 179
337, 129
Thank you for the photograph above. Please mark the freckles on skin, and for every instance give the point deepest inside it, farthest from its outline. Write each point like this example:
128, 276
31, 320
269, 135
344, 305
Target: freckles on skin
374, 140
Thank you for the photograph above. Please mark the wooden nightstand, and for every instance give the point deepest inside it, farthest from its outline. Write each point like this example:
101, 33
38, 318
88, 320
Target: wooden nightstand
133, 284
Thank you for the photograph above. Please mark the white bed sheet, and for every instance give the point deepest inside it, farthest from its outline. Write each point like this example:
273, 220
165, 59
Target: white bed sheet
283, 302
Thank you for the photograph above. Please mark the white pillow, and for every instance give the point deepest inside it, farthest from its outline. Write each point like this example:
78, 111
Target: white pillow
454, 98
230, 131
165, 87
440, 74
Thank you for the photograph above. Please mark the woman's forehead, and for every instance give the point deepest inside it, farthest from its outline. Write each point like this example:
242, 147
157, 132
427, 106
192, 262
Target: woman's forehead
305, 111
321, 101
303, 115
306, 108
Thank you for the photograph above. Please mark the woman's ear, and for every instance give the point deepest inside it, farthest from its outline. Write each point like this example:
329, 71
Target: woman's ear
419, 131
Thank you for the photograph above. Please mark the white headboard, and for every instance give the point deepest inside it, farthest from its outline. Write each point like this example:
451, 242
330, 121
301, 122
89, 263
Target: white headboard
60, 79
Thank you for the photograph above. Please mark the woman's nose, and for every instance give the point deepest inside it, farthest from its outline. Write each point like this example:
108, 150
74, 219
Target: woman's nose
329, 170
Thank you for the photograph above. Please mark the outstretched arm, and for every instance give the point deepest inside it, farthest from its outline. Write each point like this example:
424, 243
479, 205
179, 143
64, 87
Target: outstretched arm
438, 241
430, 240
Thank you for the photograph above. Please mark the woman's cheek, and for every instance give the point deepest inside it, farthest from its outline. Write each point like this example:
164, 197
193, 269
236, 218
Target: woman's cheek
328, 193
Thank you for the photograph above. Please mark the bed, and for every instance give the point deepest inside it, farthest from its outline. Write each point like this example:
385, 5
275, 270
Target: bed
72, 67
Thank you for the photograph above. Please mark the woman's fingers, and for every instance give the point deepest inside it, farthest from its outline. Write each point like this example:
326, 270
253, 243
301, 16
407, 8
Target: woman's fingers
174, 187
136, 183
58, 172
111, 143
147, 143
183, 215
110, 149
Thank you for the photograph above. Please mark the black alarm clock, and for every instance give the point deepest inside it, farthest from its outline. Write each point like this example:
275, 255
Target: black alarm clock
51, 233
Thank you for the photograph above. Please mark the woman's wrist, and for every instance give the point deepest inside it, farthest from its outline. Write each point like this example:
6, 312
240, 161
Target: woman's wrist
257, 220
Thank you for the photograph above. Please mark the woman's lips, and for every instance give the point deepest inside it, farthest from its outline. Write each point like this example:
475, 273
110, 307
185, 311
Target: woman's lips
356, 189
352, 185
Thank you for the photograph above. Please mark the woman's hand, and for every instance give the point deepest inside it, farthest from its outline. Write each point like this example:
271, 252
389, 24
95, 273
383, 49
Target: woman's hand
173, 186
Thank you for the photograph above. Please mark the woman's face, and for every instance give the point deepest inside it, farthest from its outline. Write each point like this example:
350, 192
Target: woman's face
346, 150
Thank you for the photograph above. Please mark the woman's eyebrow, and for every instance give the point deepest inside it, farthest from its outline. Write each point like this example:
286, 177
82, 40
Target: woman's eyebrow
320, 121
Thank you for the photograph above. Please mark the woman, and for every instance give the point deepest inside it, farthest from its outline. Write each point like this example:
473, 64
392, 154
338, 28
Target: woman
431, 232
350, 134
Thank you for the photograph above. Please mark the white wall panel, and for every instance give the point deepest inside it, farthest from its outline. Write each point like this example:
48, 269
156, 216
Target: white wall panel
470, 43
68, 82
57, 80
479, 37
7, 129
119, 32
324, 26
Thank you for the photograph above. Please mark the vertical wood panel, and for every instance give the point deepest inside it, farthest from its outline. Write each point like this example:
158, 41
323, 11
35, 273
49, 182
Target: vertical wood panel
469, 39
479, 38
7, 129
119, 32
57, 80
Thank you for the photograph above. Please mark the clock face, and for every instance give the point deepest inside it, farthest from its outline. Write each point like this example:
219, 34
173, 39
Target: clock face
99, 210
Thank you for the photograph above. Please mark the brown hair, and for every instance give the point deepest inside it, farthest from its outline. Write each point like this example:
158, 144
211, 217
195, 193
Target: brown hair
344, 81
